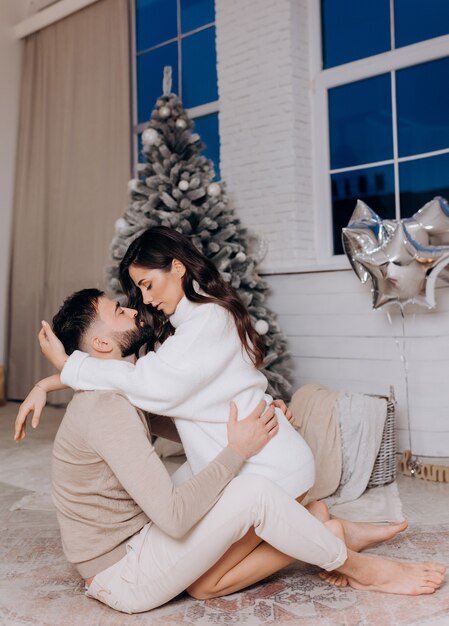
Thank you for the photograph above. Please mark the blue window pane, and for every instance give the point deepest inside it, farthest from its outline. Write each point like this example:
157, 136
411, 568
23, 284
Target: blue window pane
423, 107
360, 122
416, 20
421, 180
373, 185
196, 13
207, 128
354, 29
199, 68
156, 22
140, 154
150, 72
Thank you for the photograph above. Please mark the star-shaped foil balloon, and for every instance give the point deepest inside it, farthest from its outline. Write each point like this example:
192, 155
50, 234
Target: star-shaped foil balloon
402, 257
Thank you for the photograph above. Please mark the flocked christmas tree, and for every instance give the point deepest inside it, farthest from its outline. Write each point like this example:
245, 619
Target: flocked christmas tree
175, 187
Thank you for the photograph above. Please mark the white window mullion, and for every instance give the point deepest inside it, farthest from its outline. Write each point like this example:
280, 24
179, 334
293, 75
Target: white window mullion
394, 120
384, 63
178, 19
392, 35
133, 62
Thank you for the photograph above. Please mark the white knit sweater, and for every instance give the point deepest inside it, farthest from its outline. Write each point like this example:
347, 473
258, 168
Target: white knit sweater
193, 376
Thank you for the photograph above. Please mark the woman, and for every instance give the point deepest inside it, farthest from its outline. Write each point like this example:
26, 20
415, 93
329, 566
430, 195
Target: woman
212, 357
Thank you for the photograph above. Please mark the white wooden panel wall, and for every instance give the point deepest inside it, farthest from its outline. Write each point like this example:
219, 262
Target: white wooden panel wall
338, 340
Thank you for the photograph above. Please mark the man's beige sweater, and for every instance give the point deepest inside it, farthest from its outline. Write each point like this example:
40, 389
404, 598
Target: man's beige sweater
108, 481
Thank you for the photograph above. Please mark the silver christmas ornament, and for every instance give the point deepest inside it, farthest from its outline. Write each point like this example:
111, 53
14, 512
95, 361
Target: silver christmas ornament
164, 112
181, 123
150, 137
213, 190
240, 257
261, 327
183, 185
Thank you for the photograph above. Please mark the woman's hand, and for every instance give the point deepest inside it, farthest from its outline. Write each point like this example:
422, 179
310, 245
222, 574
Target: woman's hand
249, 435
35, 401
280, 404
51, 347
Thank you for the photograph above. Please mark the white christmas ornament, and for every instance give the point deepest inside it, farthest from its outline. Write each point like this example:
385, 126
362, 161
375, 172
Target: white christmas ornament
214, 189
133, 184
261, 327
240, 257
183, 185
121, 226
164, 112
150, 137
180, 123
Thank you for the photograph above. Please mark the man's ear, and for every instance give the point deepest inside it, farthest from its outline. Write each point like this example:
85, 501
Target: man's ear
179, 267
101, 344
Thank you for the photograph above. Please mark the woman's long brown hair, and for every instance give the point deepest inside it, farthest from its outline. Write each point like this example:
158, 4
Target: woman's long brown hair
156, 248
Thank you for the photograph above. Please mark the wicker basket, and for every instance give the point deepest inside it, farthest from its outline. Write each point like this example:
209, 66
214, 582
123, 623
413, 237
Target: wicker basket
384, 470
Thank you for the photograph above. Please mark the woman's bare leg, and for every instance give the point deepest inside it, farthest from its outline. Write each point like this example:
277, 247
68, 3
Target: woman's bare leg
245, 563
250, 559
241, 566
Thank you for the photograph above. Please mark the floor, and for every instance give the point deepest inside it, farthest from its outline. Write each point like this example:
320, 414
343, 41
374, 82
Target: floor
38, 587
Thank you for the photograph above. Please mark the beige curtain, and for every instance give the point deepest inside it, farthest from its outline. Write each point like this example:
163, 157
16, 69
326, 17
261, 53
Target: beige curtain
72, 171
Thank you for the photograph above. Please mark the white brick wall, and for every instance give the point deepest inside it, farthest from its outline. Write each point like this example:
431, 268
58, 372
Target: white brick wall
262, 52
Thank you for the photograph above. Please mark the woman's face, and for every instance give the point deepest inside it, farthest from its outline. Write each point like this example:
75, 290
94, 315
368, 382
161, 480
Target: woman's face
161, 289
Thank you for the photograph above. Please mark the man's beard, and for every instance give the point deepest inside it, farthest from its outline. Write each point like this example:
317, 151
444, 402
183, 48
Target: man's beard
130, 341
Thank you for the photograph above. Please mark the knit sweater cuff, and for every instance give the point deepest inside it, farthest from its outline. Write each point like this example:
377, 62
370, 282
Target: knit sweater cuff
231, 460
70, 371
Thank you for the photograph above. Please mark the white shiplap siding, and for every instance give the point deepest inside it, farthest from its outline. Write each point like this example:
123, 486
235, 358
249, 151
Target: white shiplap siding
336, 339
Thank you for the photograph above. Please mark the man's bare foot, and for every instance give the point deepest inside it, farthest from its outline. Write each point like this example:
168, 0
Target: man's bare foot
361, 535
319, 509
379, 574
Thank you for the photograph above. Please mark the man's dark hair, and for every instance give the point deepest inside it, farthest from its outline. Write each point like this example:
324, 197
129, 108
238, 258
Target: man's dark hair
75, 316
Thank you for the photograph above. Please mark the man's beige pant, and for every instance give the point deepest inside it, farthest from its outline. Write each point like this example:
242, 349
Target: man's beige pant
157, 567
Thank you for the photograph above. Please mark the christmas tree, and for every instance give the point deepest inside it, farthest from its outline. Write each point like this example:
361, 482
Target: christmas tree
175, 187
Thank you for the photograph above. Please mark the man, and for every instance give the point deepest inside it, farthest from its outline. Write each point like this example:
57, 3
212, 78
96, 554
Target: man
136, 539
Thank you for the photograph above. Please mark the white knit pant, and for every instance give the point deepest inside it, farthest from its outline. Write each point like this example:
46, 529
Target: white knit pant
157, 567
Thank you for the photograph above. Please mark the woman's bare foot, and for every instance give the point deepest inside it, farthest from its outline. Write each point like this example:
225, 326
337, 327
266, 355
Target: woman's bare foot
358, 535
371, 573
334, 578
361, 535
379, 574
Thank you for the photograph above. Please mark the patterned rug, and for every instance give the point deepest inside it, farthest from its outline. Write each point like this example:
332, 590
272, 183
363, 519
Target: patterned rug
39, 588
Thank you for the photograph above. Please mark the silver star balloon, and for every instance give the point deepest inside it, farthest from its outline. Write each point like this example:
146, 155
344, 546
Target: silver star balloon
402, 257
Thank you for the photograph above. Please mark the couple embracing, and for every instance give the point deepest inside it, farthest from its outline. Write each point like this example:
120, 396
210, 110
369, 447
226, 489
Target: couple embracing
233, 514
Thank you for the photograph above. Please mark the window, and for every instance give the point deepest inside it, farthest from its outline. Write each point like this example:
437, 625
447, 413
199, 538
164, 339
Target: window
179, 33
382, 91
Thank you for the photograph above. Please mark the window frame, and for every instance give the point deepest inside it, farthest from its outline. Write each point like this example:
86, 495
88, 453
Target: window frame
324, 79
194, 112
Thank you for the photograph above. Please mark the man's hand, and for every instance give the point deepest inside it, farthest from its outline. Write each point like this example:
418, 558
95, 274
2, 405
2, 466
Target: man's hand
248, 436
51, 347
280, 404
35, 401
